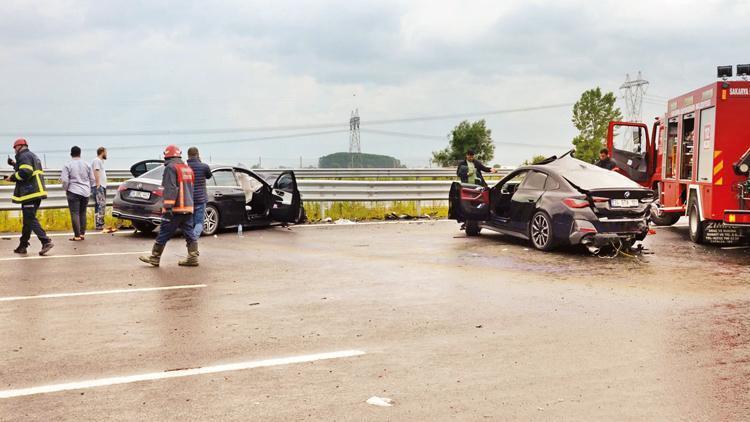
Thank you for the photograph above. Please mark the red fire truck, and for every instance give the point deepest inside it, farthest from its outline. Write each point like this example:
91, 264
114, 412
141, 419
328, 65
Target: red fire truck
697, 158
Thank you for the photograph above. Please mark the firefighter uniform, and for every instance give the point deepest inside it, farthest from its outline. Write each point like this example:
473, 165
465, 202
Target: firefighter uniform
177, 210
29, 192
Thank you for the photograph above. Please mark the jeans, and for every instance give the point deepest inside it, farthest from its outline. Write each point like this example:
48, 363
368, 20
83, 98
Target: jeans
199, 215
172, 222
77, 205
100, 205
31, 224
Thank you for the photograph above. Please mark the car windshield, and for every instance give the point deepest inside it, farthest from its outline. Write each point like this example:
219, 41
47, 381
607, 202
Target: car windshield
155, 174
588, 176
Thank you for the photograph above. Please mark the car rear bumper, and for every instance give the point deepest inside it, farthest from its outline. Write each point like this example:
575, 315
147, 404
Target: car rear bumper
134, 212
606, 230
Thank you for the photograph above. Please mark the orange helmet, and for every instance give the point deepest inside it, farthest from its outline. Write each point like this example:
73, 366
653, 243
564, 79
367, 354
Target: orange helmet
20, 142
172, 151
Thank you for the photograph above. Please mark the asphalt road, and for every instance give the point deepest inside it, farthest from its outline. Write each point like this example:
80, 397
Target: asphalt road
448, 327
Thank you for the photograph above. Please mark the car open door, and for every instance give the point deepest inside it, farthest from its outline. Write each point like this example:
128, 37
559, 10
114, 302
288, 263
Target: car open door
468, 202
287, 201
629, 147
144, 166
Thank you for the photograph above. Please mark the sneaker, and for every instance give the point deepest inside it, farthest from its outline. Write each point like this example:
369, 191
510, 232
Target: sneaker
46, 248
21, 250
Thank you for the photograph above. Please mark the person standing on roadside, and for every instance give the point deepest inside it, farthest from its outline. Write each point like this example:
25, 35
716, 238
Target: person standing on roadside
177, 208
29, 192
470, 170
100, 187
77, 180
201, 172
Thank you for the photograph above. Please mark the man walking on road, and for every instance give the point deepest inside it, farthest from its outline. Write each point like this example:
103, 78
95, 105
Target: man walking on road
177, 211
29, 192
77, 180
100, 187
201, 171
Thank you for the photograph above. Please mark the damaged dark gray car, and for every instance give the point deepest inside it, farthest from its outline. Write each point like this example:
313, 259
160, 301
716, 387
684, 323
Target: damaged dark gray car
561, 201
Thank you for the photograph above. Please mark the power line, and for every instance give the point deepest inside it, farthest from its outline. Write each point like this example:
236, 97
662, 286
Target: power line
168, 132
226, 141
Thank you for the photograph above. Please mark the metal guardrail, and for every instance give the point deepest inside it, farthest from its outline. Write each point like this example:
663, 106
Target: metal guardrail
311, 190
317, 173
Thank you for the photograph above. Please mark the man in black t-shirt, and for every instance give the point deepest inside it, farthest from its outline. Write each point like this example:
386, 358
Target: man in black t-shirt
604, 161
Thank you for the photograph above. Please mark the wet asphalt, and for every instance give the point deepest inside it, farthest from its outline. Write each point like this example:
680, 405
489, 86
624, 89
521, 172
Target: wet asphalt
452, 328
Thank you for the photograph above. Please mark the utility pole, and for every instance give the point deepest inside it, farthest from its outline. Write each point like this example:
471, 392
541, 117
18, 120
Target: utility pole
633, 92
355, 149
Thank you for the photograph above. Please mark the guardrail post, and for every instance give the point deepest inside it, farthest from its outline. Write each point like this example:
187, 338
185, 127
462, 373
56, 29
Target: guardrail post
419, 208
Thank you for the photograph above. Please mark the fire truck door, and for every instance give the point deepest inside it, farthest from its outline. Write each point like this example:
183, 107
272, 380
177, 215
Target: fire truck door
706, 145
629, 145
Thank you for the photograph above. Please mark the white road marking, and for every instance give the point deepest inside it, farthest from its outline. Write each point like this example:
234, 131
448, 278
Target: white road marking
102, 382
123, 231
74, 256
102, 292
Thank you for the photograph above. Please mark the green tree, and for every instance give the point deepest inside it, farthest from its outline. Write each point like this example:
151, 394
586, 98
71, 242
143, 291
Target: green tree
591, 116
466, 136
535, 160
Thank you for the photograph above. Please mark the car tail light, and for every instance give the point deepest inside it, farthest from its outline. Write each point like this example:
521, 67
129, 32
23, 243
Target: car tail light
576, 202
159, 191
600, 199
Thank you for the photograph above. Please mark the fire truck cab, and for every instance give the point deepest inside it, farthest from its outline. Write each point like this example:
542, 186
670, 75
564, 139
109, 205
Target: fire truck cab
697, 157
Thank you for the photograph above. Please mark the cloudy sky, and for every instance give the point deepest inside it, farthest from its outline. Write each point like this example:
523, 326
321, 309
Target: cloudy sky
191, 70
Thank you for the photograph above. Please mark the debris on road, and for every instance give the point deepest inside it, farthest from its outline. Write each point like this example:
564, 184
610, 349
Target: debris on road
380, 401
344, 221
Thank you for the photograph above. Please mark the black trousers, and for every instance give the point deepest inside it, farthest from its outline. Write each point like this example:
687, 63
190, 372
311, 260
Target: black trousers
31, 224
77, 205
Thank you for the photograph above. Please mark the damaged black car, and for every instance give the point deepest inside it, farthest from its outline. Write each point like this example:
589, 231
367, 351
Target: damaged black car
558, 202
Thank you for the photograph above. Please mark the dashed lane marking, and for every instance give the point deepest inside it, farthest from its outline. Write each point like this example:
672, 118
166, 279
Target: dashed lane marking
84, 255
101, 292
178, 373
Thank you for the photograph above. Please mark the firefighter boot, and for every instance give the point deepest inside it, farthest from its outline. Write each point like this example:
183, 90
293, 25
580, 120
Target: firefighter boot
155, 257
192, 258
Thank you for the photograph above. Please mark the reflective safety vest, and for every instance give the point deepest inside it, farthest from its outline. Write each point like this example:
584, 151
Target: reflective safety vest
29, 178
178, 181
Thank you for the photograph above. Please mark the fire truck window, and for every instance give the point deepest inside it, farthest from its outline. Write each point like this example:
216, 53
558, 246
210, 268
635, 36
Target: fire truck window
670, 166
630, 139
686, 150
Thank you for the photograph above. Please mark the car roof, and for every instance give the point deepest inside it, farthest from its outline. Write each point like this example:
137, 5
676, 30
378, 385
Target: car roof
584, 175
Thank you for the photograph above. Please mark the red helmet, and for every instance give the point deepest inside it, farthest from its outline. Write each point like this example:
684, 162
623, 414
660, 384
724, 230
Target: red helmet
20, 142
172, 151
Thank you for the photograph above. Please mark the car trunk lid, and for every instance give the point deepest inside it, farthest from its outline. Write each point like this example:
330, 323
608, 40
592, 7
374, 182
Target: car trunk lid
141, 191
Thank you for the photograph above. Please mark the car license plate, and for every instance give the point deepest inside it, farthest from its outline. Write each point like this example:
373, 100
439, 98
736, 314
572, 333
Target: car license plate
624, 203
138, 194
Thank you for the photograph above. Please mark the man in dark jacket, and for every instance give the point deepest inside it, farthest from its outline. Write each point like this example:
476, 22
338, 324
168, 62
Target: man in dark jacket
604, 161
470, 170
177, 209
201, 172
29, 192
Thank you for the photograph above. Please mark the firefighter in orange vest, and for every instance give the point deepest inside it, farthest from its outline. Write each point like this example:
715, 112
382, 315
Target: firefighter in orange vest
177, 210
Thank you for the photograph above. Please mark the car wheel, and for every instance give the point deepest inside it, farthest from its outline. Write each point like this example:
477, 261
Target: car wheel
472, 228
144, 226
697, 227
211, 220
540, 231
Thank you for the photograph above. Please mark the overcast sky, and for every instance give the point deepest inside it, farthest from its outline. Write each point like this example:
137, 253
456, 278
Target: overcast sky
112, 67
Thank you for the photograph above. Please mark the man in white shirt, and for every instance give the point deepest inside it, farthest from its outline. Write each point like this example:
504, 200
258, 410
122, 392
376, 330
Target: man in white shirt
76, 179
100, 186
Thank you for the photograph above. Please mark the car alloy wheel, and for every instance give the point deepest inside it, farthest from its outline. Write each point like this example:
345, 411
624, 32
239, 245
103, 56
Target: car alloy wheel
211, 221
541, 231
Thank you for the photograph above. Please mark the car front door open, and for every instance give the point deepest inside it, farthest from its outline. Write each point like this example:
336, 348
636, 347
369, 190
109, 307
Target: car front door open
286, 204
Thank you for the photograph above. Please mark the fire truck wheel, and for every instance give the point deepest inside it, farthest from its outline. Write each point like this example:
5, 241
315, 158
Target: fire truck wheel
664, 218
697, 227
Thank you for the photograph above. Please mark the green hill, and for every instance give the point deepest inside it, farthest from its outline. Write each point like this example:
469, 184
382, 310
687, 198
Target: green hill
344, 160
